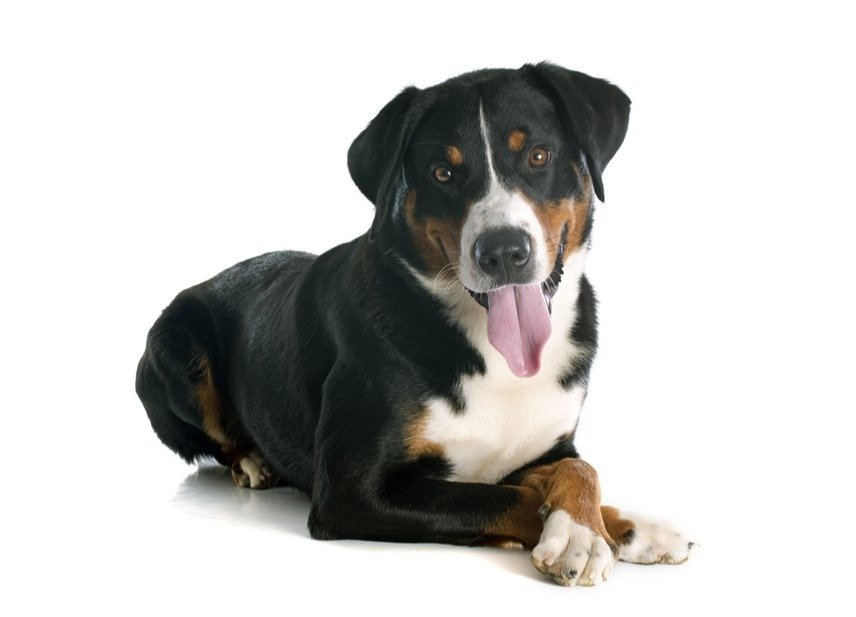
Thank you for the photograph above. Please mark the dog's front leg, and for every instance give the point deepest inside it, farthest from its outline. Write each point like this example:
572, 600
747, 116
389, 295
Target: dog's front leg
641, 539
412, 507
552, 509
574, 547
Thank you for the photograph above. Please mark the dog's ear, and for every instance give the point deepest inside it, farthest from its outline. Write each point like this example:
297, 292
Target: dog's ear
376, 158
593, 111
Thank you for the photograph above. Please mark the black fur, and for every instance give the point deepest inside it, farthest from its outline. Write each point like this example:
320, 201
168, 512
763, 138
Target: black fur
584, 334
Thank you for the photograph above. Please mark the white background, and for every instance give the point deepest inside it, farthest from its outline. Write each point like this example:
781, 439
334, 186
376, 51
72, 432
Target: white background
146, 146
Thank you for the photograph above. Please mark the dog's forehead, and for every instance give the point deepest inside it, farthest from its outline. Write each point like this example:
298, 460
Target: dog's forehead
518, 105
505, 104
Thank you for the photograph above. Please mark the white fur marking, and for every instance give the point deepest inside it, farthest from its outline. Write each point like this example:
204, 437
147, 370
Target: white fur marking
572, 553
254, 472
485, 133
654, 542
502, 429
554, 537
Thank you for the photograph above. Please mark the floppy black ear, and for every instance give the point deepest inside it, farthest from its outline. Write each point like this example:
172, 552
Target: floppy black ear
376, 157
594, 112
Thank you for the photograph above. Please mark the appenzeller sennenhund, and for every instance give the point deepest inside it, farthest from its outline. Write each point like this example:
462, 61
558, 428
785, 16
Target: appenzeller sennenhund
423, 382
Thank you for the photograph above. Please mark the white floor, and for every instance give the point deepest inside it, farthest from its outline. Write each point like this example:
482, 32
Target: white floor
159, 537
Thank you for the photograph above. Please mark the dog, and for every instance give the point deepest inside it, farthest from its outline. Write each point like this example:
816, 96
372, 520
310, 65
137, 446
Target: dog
423, 382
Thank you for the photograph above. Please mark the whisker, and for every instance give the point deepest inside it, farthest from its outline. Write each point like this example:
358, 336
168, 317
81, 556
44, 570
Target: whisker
440, 277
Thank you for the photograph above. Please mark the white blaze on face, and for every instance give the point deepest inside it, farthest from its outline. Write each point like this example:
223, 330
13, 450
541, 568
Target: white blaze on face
518, 321
499, 208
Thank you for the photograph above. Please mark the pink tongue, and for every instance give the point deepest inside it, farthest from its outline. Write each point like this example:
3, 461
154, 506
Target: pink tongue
518, 325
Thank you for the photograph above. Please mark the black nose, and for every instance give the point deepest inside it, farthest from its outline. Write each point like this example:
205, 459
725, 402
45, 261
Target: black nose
503, 254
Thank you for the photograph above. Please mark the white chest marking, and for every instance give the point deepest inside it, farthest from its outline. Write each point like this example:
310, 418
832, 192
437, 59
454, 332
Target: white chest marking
501, 429
507, 420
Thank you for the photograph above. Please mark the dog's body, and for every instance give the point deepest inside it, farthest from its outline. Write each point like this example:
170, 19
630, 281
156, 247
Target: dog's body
423, 382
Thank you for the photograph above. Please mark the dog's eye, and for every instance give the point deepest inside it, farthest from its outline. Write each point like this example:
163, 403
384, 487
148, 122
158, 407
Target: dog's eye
442, 174
538, 157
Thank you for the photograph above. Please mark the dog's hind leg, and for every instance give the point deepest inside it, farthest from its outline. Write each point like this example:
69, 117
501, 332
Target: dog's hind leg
219, 421
174, 383
177, 380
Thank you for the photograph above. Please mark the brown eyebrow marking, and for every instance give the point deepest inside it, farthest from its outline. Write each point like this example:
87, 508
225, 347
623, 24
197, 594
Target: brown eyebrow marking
454, 155
516, 140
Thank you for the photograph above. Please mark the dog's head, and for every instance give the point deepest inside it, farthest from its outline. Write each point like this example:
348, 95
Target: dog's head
486, 180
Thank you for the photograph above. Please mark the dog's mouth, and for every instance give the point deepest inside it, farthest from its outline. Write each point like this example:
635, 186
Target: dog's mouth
549, 287
518, 319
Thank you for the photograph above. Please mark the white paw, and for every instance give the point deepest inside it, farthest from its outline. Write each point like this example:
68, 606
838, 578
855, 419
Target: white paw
654, 542
570, 553
254, 472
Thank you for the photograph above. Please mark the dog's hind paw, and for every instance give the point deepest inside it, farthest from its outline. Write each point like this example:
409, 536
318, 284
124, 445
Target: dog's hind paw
253, 471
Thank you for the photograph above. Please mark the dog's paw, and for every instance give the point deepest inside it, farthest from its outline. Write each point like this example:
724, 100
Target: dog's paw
653, 542
570, 553
253, 471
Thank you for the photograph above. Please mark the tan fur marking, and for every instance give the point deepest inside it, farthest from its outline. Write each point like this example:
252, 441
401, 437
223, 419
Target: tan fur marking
570, 485
516, 140
553, 217
415, 443
210, 404
619, 528
454, 155
519, 524
436, 240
